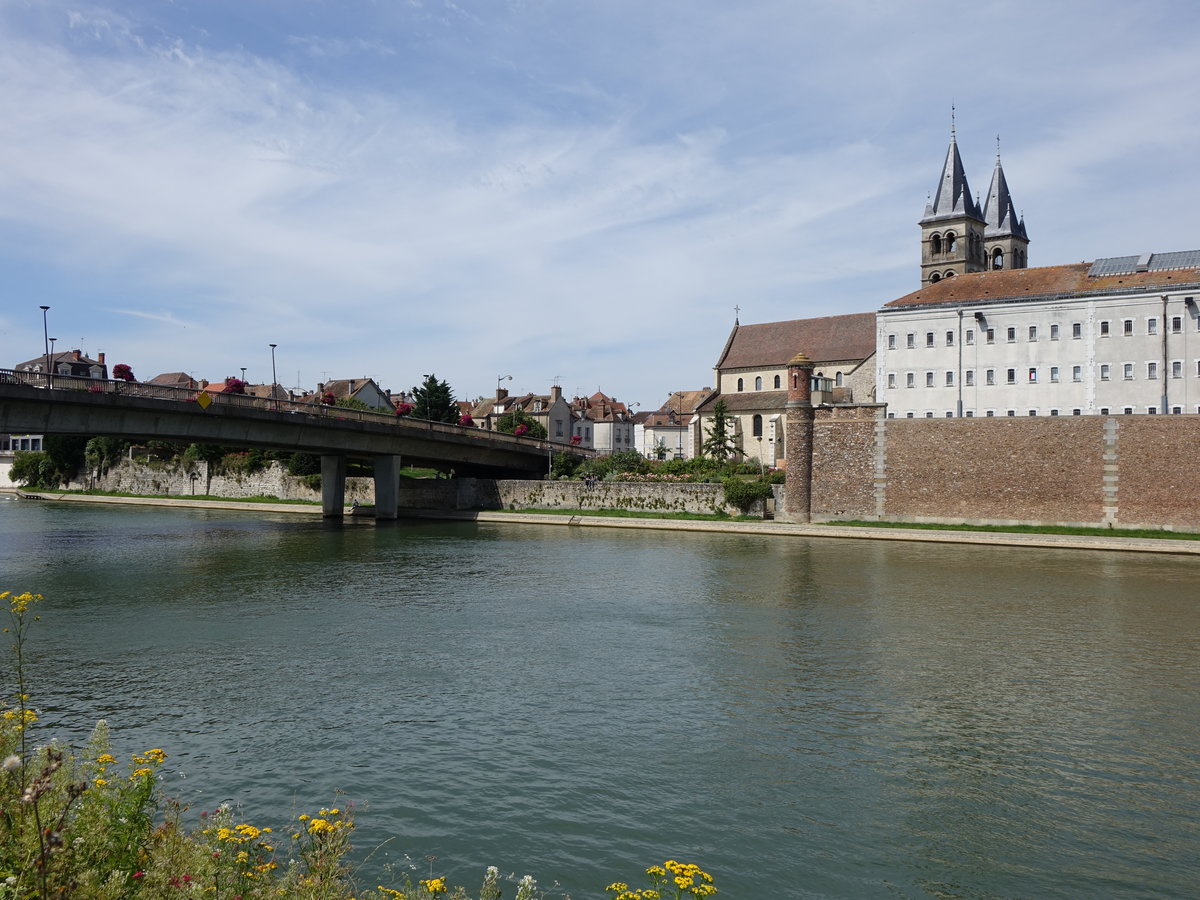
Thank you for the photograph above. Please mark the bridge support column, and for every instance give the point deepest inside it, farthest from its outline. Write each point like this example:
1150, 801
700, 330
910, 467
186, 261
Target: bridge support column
387, 487
333, 486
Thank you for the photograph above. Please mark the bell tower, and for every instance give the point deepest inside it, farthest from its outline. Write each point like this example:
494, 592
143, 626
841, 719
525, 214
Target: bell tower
952, 230
1005, 243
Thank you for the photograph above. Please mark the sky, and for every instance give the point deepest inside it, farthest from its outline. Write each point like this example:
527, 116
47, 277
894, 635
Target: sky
574, 192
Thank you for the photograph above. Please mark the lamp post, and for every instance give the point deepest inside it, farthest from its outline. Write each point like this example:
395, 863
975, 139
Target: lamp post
50, 365
243, 374
678, 395
46, 341
273, 379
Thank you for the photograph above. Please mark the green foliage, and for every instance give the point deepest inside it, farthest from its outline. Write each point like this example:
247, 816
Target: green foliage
303, 464
313, 481
209, 453
565, 465
101, 453
30, 467
509, 423
434, 400
627, 461
698, 468
719, 443
742, 494
66, 455
352, 403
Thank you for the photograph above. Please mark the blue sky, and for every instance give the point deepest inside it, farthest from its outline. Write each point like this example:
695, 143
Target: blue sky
572, 191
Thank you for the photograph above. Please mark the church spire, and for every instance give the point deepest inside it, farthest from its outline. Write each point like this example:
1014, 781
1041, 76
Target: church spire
1005, 239
952, 197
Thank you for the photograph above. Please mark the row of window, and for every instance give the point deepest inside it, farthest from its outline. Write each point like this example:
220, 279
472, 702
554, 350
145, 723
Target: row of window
948, 243
1031, 332
1104, 411
1032, 374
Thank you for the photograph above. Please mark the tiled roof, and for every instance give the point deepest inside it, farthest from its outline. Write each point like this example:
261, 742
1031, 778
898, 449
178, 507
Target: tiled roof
174, 379
751, 401
1046, 281
823, 340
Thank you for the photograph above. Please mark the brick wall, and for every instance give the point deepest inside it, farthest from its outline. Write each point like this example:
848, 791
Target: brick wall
1126, 471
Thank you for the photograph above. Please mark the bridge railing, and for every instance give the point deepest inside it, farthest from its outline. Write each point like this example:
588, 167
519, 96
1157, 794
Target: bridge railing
145, 390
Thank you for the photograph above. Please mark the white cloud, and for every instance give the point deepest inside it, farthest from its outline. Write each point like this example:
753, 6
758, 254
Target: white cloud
583, 190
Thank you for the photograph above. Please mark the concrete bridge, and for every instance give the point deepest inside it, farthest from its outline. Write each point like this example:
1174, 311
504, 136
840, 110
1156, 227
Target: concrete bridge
32, 403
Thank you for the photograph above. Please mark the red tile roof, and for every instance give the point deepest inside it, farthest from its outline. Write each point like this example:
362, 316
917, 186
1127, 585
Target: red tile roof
828, 339
1046, 281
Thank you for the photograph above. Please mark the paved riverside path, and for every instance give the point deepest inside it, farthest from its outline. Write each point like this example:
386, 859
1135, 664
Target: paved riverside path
779, 529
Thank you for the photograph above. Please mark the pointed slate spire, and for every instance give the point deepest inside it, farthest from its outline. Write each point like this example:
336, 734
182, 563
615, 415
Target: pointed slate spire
952, 197
998, 212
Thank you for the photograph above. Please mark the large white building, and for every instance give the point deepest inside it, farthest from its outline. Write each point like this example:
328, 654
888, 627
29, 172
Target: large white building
1119, 335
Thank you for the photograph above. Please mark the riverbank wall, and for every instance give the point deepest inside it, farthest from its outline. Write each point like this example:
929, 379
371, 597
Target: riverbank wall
1096, 471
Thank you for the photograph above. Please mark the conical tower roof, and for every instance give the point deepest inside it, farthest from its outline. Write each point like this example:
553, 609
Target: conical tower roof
952, 198
998, 213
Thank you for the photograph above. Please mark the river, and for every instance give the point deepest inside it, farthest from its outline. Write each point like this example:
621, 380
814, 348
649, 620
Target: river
801, 717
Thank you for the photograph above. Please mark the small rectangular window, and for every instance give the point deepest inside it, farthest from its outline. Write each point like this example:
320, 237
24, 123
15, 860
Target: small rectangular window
1177, 368
1054, 332
928, 379
891, 342
1011, 412
1011, 376
1127, 371
1033, 332
1077, 373
991, 334
1104, 370
910, 415
1127, 327
970, 336
1054, 374
990, 376
1076, 330
949, 379
949, 338
1152, 410
1077, 411
929, 415
1176, 324
1054, 412
891, 379
1012, 334
1152, 370
1033, 375
970, 414
1104, 410
1152, 325
1104, 328
1128, 411
911, 379
1176, 410
1033, 412
912, 340
929, 339
990, 413
969, 375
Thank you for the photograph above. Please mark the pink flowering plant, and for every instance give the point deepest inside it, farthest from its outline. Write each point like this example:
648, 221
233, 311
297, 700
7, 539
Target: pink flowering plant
404, 409
122, 372
234, 386
466, 420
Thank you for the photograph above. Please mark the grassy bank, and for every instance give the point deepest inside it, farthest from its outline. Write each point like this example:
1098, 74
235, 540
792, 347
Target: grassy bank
638, 514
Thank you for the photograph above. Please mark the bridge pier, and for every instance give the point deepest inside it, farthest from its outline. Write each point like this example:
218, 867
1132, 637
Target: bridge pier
333, 486
387, 487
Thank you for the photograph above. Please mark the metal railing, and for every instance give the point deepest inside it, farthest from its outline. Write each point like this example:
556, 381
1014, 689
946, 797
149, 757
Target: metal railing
288, 407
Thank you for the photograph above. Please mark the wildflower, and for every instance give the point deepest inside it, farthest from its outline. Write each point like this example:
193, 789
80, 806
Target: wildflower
106, 759
434, 885
100, 782
12, 763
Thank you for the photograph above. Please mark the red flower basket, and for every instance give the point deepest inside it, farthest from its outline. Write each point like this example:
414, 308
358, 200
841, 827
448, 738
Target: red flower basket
403, 409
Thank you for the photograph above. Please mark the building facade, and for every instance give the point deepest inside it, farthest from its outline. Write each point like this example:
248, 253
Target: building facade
1117, 336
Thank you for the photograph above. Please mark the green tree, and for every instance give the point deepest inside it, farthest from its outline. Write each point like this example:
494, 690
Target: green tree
719, 443
434, 400
744, 494
351, 403
510, 422
101, 453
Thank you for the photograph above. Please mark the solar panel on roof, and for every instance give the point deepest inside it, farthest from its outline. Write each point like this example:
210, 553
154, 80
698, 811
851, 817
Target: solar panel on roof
1149, 262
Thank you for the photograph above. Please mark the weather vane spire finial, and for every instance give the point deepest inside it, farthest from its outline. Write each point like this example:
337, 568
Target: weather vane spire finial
952, 120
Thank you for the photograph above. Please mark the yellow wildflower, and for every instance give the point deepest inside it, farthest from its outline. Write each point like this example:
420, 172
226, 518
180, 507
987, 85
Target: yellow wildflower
106, 759
434, 885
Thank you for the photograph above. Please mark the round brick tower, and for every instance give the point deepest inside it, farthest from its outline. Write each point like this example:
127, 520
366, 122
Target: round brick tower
797, 499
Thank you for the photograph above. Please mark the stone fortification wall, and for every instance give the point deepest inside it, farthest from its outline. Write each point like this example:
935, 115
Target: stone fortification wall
133, 477
471, 493
1125, 471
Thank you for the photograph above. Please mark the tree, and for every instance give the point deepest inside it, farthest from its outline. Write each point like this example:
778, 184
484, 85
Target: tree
434, 400
352, 403
719, 443
520, 422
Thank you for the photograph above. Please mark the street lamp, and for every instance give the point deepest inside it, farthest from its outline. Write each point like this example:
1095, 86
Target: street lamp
53, 359
273, 378
678, 395
243, 375
46, 341
500, 378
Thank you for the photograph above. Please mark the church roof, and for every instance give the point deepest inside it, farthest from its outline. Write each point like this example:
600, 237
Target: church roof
952, 198
828, 339
1048, 282
998, 213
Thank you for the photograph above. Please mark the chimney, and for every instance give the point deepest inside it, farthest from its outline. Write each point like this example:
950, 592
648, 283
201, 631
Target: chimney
203, 382
76, 354
501, 394
100, 357
555, 393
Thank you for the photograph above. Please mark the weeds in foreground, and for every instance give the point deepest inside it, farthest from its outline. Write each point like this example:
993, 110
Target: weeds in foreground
74, 823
